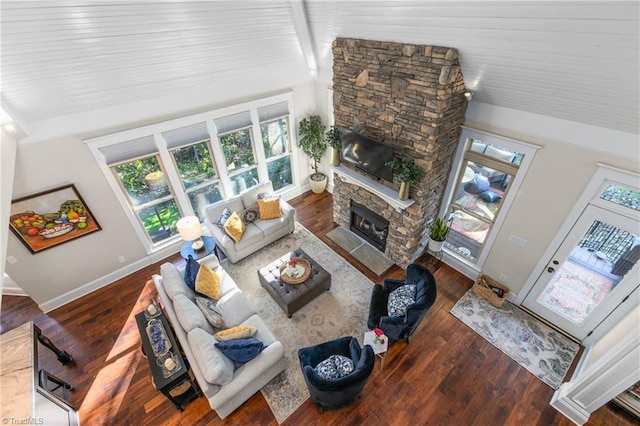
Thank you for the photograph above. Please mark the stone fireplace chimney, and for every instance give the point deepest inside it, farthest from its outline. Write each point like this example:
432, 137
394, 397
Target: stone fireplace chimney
411, 97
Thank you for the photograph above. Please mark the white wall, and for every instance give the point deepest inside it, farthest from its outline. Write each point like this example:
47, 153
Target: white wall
8, 149
63, 273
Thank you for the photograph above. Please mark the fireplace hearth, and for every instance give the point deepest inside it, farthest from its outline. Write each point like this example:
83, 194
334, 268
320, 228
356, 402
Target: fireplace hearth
369, 225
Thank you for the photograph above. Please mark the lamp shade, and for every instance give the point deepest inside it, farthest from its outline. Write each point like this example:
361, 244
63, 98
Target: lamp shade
189, 228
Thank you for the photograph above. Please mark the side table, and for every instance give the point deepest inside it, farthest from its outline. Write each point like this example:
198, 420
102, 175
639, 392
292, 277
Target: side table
179, 387
209, 246
380, 349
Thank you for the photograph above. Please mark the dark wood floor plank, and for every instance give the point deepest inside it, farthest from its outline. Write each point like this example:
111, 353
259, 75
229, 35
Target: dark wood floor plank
447, 374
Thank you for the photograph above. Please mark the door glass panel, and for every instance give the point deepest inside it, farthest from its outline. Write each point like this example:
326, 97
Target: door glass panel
467, 234
623, 196
601, 259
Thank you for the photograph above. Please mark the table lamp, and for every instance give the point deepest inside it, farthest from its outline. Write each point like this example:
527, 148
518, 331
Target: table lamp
190, 229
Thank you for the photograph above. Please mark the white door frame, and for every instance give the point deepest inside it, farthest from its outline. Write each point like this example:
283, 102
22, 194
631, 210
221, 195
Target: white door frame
604, 175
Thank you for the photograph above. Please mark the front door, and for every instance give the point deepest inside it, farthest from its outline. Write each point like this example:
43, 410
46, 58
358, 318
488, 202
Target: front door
595, 268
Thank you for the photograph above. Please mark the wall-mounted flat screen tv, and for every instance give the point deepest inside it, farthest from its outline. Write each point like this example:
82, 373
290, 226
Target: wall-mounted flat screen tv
367, 155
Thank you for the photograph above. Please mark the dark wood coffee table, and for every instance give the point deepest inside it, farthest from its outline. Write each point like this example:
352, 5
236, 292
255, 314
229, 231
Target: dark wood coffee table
291, 297
178, 386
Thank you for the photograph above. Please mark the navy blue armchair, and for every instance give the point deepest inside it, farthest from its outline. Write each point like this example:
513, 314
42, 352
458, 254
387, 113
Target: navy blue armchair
334, 394
401, 328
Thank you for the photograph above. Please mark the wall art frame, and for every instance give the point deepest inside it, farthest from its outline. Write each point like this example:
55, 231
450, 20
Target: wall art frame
50, 218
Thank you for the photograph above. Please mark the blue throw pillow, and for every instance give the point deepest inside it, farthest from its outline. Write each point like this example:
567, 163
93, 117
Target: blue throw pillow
478, 185
335, 367
241, 350
490, 196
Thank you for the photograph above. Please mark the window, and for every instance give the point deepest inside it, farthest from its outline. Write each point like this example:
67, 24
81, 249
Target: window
234, 134
195, 165
150, 196
181, 166
486, 167
275, 139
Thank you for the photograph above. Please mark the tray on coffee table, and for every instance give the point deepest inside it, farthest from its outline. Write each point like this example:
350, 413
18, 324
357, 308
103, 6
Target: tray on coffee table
301, 263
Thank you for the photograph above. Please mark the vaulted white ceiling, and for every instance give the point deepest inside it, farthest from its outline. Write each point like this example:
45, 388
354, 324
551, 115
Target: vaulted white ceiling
68, 60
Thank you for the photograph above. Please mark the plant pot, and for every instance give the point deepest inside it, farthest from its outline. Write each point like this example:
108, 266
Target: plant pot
435, 246
336, 157
403, 193
318, 182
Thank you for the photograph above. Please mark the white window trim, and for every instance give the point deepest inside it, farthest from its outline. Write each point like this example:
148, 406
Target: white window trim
208, 117
456, 261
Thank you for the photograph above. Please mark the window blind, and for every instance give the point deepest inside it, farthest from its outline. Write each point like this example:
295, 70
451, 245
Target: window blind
129, 150
233, 122
271, 112
186, 135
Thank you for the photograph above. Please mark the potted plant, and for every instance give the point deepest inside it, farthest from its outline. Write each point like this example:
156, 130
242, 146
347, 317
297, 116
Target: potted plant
333, 139
408, 172
313, 143
438, 234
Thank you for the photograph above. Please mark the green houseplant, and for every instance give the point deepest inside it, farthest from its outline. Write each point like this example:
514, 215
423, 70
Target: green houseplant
313, 143
333, 139
438, 234
408, 172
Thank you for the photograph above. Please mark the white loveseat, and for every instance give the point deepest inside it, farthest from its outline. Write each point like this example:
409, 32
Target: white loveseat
259, 233
225, 386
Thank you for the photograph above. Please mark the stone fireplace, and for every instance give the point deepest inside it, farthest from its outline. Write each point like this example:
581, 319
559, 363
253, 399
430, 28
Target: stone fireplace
412, 98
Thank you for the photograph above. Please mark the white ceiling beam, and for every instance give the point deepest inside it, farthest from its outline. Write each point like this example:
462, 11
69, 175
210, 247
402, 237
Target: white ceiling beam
304, 35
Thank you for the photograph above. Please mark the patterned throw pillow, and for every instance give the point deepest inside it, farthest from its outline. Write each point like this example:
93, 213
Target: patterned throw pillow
234, 227
224, 216
335, 367
237, 332
269, 209
208, 308
400, 299
267, 196
250, 214
201, 279
241, 350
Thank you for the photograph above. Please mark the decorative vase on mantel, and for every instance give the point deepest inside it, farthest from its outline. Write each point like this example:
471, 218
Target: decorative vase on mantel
403, 193
336, 157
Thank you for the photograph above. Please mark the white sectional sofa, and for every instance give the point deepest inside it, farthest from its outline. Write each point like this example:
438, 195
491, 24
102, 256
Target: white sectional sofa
225, 386
259, 233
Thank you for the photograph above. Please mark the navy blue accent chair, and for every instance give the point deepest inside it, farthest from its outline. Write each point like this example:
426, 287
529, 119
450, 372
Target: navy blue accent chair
334, 394
401, 328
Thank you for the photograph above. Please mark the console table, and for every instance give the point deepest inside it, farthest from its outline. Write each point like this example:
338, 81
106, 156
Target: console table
178, 386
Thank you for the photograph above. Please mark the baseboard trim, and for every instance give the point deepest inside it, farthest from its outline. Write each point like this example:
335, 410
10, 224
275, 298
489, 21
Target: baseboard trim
13, 291
94, 285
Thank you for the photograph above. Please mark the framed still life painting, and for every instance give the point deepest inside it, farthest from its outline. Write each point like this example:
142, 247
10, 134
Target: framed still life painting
50, 218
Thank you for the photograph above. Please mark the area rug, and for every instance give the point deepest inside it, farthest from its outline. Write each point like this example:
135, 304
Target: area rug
574, 291
535, 346
341, 311
366, 254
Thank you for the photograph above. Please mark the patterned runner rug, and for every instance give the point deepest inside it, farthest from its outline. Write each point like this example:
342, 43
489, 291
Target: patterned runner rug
341, 311
535, 346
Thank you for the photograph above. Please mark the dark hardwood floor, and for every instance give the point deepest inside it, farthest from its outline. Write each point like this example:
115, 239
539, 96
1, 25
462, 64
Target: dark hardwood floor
446, 375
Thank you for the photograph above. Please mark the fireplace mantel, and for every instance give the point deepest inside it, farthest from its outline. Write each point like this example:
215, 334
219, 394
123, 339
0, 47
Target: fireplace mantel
387, 194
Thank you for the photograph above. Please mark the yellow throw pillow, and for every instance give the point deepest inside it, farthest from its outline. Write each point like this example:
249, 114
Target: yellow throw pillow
208, 283
234, 227
237, 332
269, 209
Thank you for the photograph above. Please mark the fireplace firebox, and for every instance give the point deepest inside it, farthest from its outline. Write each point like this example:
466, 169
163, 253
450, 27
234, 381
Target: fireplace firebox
369, 225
